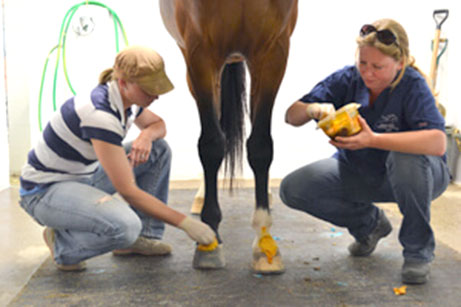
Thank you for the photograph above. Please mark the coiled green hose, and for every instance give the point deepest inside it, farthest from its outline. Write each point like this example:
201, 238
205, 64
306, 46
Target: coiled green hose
62, 46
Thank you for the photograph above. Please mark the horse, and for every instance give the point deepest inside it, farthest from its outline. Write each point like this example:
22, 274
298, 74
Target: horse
219, 40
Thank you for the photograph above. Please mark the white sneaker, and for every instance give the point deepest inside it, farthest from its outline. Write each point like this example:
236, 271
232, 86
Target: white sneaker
145, 246
48, 236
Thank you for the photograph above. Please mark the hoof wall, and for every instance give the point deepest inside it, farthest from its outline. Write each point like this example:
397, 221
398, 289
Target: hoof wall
209, 260
262, 266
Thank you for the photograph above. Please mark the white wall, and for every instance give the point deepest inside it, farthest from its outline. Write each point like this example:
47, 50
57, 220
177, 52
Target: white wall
323, 41
4, 156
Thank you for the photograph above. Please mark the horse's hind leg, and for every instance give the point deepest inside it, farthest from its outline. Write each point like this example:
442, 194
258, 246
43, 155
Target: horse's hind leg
201, 78
266, 72
199, 198
267, 258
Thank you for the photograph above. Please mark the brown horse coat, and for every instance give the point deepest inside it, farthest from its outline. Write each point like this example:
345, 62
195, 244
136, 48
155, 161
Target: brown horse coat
216, 37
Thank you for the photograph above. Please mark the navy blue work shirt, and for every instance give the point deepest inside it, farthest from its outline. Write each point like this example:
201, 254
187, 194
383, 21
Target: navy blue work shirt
409, 106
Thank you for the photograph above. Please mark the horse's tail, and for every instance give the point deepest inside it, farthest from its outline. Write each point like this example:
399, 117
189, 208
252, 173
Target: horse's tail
233, 110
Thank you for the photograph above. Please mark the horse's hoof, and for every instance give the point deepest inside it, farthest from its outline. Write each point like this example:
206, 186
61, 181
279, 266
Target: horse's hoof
262, 266
209, 260
197, 205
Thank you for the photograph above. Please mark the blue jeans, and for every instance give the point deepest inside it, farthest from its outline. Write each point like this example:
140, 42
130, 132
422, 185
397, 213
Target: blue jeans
88, 221
333, 191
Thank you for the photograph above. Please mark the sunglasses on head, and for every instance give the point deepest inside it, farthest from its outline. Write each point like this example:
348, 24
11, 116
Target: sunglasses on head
384, 36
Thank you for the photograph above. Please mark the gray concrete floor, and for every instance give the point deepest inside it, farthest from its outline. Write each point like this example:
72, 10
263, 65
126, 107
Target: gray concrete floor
25, 254
23, 249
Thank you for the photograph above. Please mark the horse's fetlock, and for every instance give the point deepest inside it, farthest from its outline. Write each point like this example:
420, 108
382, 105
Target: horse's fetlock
261, 219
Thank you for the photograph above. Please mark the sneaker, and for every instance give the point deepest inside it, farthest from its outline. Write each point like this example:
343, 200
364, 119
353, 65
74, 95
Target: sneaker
48, 236
415, 272
145, 246
365, 246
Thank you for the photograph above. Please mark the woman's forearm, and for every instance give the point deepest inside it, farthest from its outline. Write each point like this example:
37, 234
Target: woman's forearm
427, 142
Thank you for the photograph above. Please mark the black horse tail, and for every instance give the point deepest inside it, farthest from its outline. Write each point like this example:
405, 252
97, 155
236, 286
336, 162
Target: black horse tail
233, 110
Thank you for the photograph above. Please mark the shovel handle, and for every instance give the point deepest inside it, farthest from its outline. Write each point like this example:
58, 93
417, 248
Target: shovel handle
440, 16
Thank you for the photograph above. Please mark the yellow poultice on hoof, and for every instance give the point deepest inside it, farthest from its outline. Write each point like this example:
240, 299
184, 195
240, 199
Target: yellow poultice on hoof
267, 245
208, 248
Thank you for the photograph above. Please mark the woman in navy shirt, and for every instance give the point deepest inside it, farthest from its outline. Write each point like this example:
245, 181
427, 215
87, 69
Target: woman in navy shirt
398, 156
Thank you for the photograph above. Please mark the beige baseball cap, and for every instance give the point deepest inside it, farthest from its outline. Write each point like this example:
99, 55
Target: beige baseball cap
145, 67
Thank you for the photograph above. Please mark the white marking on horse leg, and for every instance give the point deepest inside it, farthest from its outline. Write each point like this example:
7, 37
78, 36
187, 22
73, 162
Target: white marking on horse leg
261, 218
262, 222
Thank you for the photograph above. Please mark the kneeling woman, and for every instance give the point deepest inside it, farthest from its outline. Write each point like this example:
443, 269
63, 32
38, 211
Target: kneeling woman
397, 157
80, 162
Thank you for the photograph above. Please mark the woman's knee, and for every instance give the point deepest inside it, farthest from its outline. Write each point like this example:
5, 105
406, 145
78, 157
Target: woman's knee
285, 190
132, 231
126, 229
404, 169
161, 150
290, 191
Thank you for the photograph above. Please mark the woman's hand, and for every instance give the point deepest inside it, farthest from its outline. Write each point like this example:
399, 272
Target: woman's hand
361, 140
419, 142
197, 230
140, 150
318, 110
152, 128
300, 113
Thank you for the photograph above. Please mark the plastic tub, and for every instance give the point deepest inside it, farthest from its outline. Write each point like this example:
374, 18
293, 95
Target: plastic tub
344, 122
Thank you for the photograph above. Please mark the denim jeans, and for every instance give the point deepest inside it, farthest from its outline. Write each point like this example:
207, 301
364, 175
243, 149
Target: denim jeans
88, 221
333, 191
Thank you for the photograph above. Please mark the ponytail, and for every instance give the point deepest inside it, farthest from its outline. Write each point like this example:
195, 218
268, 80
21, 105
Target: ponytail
106, 76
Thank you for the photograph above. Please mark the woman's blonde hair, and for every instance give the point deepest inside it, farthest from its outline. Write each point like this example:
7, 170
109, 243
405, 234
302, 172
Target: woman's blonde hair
106, 76
399, 51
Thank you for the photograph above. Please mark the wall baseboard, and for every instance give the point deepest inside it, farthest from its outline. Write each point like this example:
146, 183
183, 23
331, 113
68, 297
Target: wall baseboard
222, 183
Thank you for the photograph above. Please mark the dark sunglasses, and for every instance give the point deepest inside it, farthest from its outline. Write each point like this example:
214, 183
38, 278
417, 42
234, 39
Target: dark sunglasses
384, 36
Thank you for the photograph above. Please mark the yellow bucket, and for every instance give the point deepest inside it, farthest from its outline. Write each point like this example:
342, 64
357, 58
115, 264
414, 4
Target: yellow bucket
344, 122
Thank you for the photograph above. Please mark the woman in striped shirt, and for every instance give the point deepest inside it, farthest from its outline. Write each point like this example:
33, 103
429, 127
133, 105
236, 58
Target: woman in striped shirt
79, 162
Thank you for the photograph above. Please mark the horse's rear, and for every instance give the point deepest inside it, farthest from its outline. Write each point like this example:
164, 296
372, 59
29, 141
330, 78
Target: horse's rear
215, 38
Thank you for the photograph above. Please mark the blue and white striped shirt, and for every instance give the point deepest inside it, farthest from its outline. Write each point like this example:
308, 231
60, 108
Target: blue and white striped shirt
64, 151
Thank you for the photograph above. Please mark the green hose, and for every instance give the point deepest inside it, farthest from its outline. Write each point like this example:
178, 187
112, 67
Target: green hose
41, 88
62, 45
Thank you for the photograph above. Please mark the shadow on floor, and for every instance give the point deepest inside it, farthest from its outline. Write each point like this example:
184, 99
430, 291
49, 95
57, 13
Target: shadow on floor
319, 271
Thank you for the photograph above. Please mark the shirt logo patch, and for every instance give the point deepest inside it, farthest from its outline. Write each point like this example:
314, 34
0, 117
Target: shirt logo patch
422, 125
387, 123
